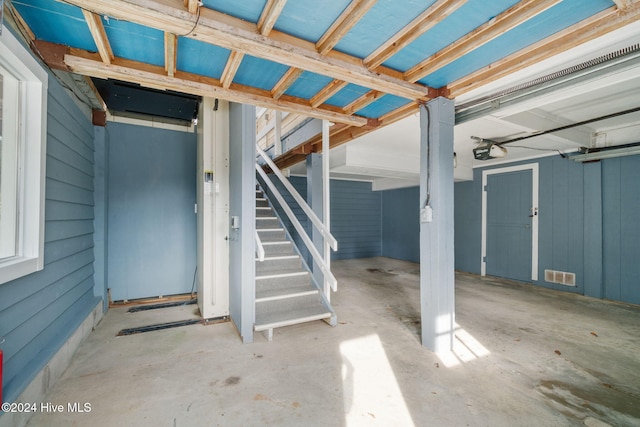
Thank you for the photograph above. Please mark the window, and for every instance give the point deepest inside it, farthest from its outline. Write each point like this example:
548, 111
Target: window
23, 102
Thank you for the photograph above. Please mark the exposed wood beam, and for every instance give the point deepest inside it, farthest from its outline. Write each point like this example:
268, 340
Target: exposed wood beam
14, 17
497, 26
230, 70
285, 82
598, 25
363, 101
341, 26
192, 5
235, 34
94, 22
270, 15
624, 4
170, 53
152, 76
420, 25
327, 92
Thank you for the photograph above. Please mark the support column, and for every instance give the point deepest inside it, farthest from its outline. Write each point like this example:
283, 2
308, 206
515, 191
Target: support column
436, 225
315, 200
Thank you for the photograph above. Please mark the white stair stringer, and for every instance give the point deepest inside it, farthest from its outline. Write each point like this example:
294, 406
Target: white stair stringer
286, 294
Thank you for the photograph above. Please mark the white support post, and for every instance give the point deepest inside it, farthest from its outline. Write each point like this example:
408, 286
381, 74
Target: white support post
326, 208
436, 225
277, 148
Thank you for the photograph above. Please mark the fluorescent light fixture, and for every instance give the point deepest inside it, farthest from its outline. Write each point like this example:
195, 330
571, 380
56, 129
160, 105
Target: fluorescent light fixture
608, 153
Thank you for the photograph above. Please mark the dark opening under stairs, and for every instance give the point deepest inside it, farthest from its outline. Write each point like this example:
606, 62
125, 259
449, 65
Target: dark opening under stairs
286, 293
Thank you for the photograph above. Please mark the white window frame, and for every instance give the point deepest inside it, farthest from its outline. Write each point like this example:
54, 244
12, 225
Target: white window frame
32, 137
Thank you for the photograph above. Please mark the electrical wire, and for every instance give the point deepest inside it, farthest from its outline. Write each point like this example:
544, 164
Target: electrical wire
428, 200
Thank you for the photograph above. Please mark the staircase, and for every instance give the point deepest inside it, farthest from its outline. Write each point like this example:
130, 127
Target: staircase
285, 291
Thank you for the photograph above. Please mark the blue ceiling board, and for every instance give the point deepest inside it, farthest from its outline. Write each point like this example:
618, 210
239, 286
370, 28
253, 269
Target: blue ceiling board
259, 73
385, 19
249, 10
544, 25
57, 22
464, 20
307, 85
135, 42
309, 20
347, 95
201, 58
382, 106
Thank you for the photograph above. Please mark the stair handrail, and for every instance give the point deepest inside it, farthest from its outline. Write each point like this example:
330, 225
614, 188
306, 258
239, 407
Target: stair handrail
298, 198
259, 248
329, 277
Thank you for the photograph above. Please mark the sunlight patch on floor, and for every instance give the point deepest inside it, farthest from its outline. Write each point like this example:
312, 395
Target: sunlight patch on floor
371, 392
465, 349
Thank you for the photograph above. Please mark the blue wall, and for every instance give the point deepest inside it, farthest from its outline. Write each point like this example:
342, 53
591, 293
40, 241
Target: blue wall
400, 224
39, 312
587, 225
621, 232
355, 217
152, 224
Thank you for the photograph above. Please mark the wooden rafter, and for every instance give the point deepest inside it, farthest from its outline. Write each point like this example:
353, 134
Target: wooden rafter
598, 25
363, 101
170, 53
420, 25
89, 64
242, 36
192, 5
94, 22
341, 26
270, 15
502, 23
231, 68
285, 82
327, 92
624, 4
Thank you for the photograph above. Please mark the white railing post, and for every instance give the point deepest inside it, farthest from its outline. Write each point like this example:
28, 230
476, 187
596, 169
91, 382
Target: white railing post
326, 198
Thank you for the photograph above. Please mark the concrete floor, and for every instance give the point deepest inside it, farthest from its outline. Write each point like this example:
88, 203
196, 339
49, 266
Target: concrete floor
524, 356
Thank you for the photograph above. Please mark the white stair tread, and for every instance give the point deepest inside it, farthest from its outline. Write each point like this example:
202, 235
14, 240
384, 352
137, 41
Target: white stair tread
292, 317
283, 293
292, 273
277, 258
280, 242
266, 217
269, 229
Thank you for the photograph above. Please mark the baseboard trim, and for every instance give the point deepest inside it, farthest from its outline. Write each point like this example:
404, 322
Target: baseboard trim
39, 388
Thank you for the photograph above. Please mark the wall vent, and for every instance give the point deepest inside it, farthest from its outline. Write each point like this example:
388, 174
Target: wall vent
560, 277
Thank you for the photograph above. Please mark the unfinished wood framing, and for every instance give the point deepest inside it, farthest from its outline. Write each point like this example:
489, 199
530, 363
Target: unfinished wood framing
285, 82
231, 68
363, 101
423, 23
152, 76
242, 36
192, 5
345, 22
270, 15
170, 53
602, 23
507, 20
327, 92
94, 22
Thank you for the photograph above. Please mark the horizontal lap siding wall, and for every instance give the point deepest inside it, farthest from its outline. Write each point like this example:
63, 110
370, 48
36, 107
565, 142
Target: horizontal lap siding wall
355, 218
39, 312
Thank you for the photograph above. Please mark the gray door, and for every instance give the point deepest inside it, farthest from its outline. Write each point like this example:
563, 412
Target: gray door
509, 225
